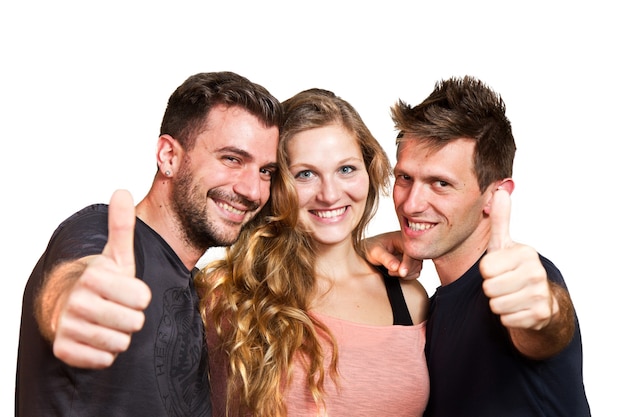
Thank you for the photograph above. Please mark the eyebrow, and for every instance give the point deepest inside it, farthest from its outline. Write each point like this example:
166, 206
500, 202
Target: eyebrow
348, 160
238, 151
245, 155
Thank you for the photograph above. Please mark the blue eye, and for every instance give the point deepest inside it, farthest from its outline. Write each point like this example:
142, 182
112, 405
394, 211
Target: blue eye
347, 169
304, 174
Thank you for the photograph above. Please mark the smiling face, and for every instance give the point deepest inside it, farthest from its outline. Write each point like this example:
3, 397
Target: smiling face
438, 201
331, 180
225, 179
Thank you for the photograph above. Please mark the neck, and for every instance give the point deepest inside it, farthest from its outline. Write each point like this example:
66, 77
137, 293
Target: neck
339, 261
455, 263
155, 210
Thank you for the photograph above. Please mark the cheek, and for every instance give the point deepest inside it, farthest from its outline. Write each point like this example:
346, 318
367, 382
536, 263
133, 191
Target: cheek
359, 188
360, 192
305, 194
265, 192
398, 194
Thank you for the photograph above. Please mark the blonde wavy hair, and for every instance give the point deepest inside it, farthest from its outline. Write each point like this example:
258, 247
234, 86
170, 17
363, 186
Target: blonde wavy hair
257, 298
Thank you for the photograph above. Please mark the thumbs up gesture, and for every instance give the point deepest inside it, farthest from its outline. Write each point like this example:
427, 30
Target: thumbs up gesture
514, 278
104, 306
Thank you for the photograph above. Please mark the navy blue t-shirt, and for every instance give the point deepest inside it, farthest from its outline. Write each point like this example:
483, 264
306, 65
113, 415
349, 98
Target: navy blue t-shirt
163, 373
475, 370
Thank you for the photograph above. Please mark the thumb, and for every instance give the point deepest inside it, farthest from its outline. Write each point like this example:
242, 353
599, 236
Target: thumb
500, 216
120, 246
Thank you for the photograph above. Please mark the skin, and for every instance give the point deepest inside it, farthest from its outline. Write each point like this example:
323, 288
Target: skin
440, 207
216, 187
444, 217
332, 184
332, 188
91, 307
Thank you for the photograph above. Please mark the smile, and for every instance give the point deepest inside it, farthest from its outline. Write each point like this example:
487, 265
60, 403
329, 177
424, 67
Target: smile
329, 214
230, 208
416, 227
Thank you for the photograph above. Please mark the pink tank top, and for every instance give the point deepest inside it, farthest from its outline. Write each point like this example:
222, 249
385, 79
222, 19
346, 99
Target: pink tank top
382, 372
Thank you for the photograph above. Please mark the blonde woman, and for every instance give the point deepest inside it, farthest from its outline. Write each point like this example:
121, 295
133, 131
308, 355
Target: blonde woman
298, 322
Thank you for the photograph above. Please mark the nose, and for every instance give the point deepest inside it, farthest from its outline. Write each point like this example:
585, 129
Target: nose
329, 191
250, 185
413, 200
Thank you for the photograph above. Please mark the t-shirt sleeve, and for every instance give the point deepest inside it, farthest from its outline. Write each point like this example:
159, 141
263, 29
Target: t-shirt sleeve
83, 234
554, 274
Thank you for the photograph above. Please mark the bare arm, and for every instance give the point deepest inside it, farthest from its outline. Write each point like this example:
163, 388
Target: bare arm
537, 312
417, 300
89, 308
557, 333
53, 294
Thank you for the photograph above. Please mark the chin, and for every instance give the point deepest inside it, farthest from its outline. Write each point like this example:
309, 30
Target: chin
412, 250
226, 238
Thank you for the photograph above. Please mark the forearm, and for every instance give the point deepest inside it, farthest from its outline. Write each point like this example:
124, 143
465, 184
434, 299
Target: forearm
555, 336
53, 294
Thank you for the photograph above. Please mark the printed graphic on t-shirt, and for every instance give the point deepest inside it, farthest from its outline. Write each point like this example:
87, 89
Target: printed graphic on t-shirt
175, 350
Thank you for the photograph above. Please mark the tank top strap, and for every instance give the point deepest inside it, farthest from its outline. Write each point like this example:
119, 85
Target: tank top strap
401, 315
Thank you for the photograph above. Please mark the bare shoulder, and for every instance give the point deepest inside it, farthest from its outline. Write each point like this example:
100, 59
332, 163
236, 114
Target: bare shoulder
416, 299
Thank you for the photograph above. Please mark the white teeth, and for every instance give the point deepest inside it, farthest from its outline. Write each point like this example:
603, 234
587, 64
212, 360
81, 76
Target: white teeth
230, 208
420, 226
329, 213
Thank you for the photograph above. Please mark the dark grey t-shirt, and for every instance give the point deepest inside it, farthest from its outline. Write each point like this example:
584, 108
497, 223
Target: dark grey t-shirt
163, 373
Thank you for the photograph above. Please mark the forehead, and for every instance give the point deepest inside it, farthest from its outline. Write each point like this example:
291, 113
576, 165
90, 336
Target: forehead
422, 147
231, 119
418, 155
328, 142
235, 127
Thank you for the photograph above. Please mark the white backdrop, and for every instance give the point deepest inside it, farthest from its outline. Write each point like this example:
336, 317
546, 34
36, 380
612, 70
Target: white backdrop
83, 86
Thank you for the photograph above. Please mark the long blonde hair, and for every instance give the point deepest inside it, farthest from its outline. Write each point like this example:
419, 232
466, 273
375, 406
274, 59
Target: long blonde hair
258, 296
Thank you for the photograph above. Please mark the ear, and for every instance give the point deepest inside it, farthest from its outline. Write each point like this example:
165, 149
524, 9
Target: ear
168, 155
506, 184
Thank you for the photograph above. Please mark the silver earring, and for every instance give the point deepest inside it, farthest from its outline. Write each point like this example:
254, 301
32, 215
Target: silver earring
167, 173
